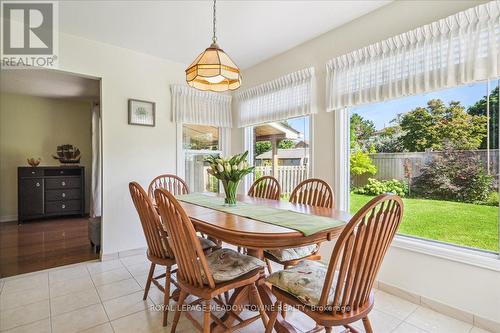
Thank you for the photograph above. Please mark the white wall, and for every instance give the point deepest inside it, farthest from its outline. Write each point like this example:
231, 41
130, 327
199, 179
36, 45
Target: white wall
129, 152
460, 285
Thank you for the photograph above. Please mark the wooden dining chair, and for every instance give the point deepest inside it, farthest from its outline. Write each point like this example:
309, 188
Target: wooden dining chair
312, 192
159, 251
175, 185
266, 187
206, 277
172, 183
340, 297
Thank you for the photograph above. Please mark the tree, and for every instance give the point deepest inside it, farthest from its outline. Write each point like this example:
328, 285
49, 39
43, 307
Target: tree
388, 140
262, 146
361, 163
361, 130
437, 124
286, 144
480, 109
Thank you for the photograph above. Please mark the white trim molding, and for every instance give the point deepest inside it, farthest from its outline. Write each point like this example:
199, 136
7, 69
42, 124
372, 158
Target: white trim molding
341, 154
8, 218
468, 256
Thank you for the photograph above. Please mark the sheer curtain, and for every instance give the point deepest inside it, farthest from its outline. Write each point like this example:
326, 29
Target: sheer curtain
287, 97
96, 195
459, 49
191, 106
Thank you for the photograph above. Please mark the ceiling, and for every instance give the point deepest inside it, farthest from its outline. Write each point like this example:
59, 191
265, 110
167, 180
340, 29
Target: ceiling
249, 31
48, 83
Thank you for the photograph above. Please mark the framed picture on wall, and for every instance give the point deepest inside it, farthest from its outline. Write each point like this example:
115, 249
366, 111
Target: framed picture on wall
141, 112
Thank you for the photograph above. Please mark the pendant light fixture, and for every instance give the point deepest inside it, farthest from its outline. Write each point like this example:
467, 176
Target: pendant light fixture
213, 69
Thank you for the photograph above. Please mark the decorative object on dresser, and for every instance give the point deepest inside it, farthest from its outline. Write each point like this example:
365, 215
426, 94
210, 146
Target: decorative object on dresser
141, 112
68, 154
32, 162
50, 192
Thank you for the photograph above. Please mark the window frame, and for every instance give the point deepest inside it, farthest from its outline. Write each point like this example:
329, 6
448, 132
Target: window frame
249, 141
181, 153
468, 255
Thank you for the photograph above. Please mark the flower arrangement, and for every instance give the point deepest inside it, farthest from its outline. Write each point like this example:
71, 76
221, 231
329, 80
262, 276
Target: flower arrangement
230, 171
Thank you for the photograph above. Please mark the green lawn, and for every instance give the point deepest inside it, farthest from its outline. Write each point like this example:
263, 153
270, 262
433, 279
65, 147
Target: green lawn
452, 222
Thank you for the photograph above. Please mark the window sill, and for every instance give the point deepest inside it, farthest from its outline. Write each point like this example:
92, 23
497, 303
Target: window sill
477, 258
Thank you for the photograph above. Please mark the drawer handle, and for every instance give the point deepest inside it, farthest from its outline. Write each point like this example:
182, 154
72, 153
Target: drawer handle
63, 206
63, 195
33, 172
63, 183
37, 184
61, 172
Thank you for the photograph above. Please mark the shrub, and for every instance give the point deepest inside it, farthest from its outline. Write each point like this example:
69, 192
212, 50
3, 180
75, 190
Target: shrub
376, 187
361, 163
454, 175
492, 199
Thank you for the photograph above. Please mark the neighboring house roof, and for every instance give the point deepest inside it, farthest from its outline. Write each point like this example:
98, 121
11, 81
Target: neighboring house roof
296, 153
302, 144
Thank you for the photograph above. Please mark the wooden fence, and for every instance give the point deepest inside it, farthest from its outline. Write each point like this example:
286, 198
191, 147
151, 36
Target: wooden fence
391, 165
288, 176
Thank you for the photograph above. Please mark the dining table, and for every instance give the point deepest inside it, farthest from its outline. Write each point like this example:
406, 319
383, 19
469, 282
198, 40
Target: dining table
257, 236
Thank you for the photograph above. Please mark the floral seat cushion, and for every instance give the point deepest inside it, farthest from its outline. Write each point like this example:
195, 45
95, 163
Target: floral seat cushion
227, 264
294, 253
303, 281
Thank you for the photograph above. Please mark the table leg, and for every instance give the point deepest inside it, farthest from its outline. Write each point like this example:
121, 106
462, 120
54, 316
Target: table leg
237, 302
268, 299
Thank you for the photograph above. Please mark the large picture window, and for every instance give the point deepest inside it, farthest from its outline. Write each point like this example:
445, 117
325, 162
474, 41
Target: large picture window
440, 151
282, 149
198, 142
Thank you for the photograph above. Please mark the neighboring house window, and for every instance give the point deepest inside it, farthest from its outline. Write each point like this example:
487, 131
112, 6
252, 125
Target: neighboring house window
282, 149
199, 141
440, 150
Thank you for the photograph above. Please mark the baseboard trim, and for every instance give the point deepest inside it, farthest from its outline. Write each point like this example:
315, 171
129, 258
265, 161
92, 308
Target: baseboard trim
123, 254
446, 309
8, 218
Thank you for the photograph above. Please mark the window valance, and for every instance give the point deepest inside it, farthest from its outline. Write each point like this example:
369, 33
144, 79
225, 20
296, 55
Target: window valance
191, 106
457, 50
286, 97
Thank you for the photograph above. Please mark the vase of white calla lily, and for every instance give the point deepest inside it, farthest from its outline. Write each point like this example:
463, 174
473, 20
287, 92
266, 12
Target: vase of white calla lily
230, 171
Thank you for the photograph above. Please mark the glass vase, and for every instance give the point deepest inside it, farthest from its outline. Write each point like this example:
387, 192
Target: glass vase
230, 189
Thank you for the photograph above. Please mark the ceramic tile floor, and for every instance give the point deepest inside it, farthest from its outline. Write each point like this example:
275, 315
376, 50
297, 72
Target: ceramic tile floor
107, 297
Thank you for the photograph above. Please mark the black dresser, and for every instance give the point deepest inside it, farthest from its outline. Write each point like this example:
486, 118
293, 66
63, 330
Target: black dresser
50, 192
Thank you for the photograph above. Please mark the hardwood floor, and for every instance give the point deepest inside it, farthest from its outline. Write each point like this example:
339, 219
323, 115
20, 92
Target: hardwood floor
42, 244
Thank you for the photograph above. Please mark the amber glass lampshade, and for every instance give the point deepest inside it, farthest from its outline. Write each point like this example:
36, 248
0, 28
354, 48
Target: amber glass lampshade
213, 70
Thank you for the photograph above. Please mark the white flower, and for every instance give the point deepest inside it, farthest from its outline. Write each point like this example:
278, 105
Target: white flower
235, 167
227, 167
241, 166
220, 168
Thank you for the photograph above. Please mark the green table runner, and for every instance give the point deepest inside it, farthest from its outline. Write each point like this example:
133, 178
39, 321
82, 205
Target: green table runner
305, 223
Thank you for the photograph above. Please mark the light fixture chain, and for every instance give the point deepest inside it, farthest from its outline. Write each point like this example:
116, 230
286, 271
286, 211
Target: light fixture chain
214, 38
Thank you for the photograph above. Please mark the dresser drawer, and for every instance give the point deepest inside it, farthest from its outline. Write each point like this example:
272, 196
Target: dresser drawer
66, 194
30, 172
62, 182
62, 207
